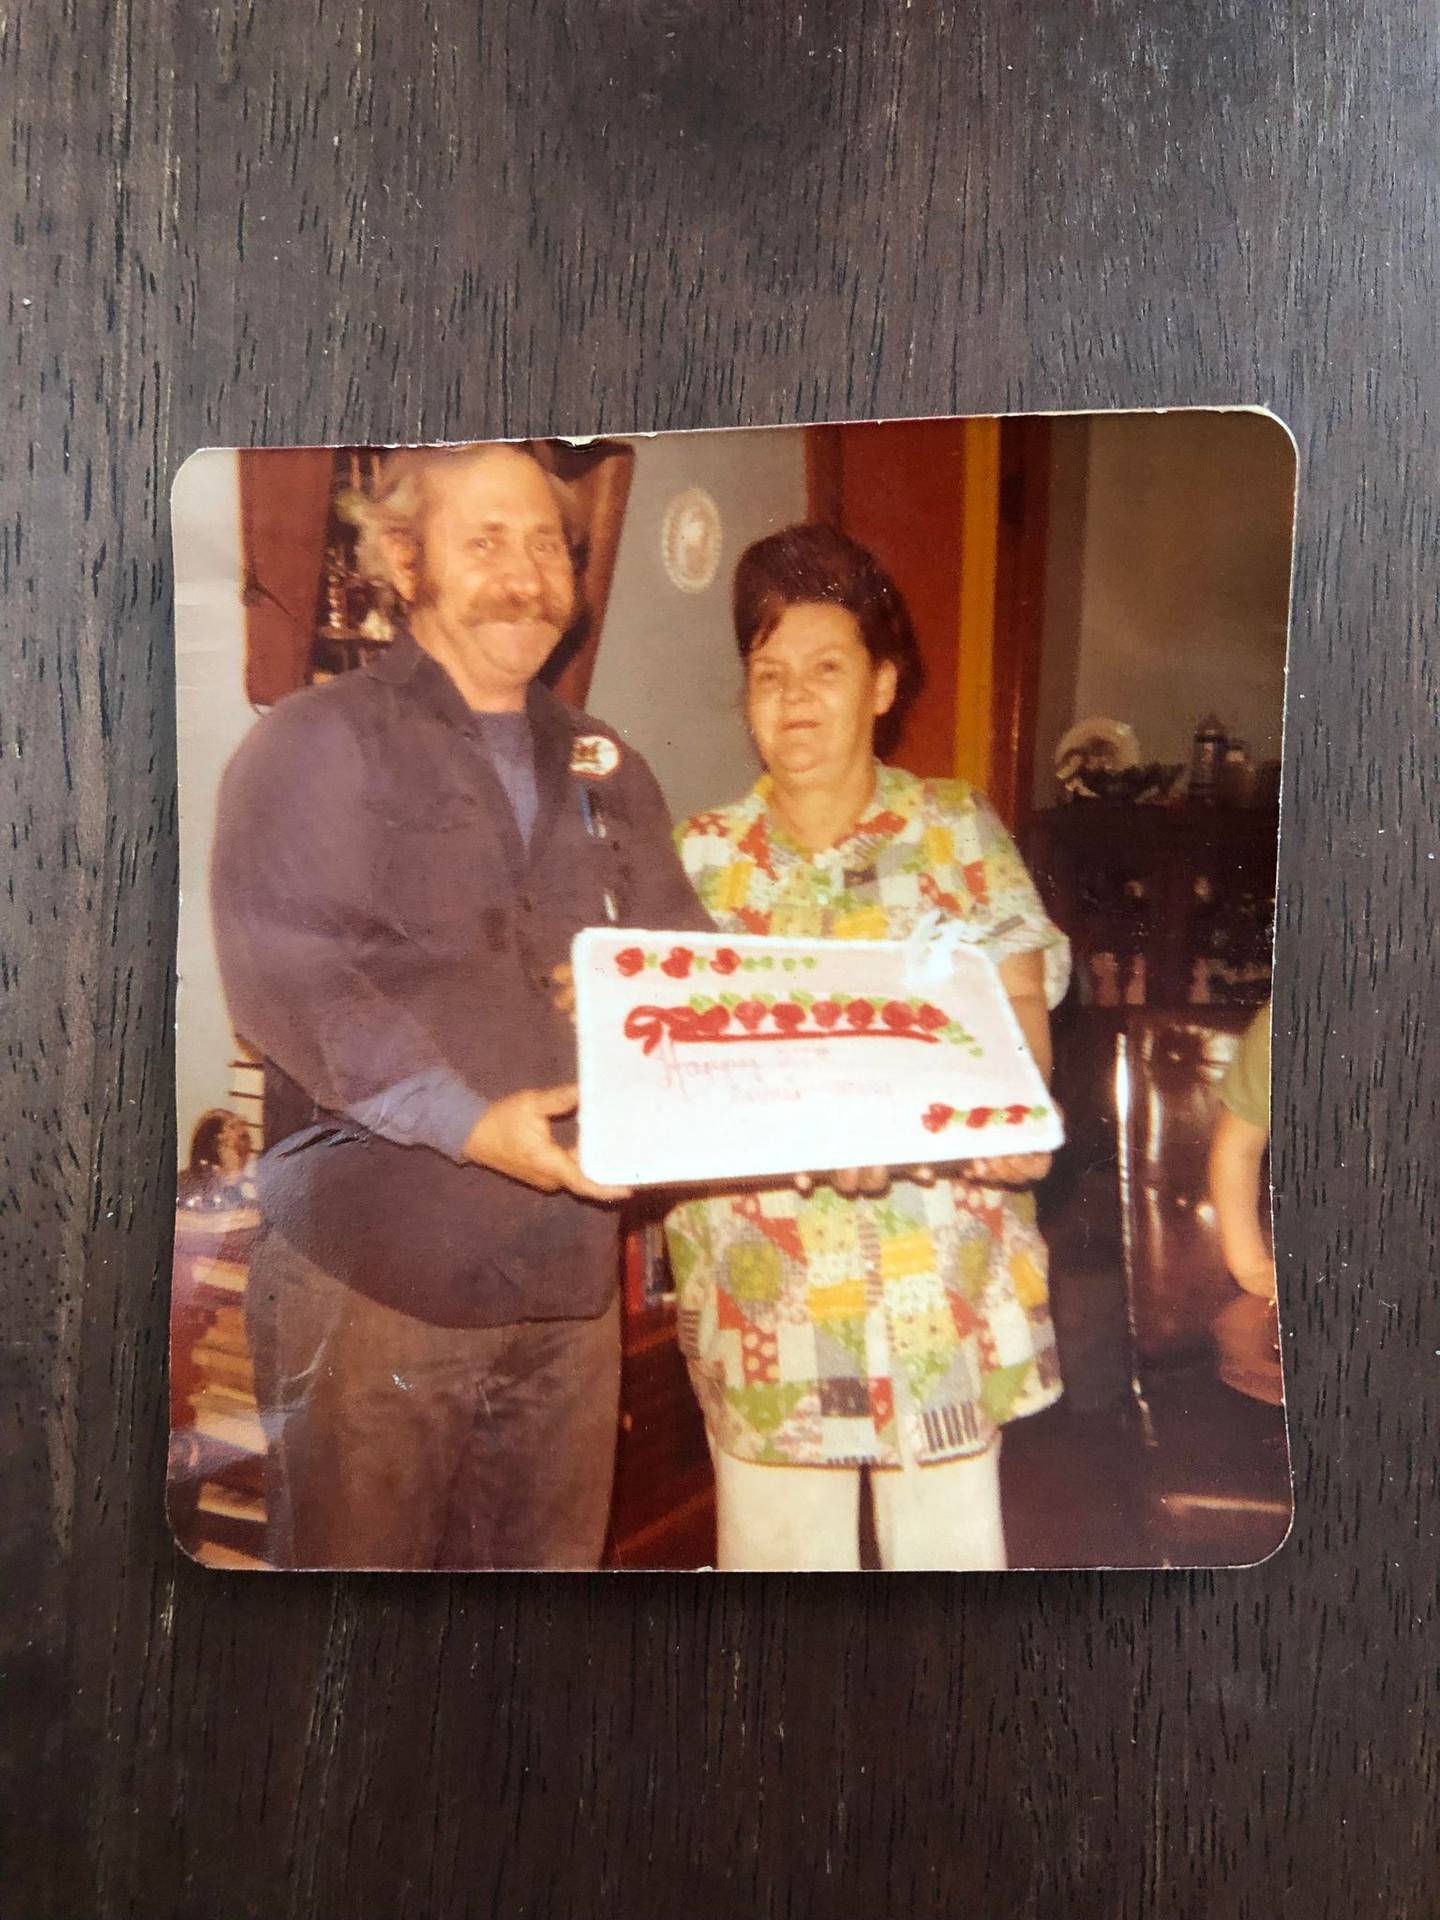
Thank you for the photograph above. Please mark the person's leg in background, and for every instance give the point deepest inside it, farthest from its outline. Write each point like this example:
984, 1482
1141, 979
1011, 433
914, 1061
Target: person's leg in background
779, 1519
945, 1515
534, 1482
366, 1412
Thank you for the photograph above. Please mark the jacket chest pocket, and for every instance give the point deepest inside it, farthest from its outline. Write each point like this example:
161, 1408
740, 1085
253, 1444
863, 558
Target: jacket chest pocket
585, 882
606, 883
437, 883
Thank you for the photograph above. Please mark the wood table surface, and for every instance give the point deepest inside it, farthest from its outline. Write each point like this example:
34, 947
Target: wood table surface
247, 222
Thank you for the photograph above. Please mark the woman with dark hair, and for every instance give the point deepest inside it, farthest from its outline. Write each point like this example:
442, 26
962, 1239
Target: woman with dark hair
220, 1169
891, 1321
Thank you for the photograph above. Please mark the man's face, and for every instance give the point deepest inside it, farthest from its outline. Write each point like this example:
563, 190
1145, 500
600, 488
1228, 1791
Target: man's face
493, 571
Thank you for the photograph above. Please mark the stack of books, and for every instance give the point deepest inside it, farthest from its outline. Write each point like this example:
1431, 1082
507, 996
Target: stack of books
224, 1403
218, 1444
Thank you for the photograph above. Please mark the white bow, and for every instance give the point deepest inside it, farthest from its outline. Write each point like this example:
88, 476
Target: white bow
936, 939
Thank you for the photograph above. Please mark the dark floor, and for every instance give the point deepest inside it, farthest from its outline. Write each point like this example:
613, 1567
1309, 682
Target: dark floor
1197, 1476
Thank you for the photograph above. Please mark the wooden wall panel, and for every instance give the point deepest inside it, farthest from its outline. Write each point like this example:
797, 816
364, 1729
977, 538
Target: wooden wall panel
234, 224
902, 495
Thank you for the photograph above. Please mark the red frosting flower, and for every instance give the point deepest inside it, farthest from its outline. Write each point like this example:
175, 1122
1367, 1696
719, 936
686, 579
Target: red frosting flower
978, 1116
788, 1017
725, 960
750, 1013
629, 961
937, 1117
931, 1018
860, 1013
677, 962
897, 1016
825, 1012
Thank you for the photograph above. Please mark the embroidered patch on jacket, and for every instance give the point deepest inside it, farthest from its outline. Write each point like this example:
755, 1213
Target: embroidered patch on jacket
594, 756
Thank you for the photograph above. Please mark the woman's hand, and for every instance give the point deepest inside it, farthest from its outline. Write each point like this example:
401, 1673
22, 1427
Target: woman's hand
1006, 1170
847, 1180
869, 1181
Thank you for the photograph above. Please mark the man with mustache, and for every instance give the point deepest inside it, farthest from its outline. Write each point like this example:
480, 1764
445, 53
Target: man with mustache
402, 857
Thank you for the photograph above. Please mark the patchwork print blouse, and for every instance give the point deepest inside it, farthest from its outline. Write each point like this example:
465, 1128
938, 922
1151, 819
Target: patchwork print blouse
829, 1331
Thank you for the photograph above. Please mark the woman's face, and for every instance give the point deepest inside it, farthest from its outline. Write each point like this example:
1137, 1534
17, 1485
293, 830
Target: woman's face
813, 695
234, 1147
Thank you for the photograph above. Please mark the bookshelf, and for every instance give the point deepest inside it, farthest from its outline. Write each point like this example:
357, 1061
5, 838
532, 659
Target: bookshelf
217, 1444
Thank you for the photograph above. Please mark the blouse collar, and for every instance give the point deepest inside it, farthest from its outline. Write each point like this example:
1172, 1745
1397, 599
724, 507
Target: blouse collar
892, 806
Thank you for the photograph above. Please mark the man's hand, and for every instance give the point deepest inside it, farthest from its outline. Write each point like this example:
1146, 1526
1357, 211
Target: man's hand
1006, 1170
513, 1137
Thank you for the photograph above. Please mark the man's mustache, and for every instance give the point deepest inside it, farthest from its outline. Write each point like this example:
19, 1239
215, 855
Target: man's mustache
521, 606
556, 610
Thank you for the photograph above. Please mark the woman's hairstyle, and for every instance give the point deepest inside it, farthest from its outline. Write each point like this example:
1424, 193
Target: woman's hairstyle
210, 1129
395, 502
815, 564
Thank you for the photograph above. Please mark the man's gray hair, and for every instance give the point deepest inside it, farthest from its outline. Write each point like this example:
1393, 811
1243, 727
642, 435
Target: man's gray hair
394, 504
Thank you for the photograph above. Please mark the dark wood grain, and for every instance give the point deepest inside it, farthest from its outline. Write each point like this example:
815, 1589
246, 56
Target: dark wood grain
248, 222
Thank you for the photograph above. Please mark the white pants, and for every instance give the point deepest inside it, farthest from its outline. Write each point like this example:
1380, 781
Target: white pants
807, 1519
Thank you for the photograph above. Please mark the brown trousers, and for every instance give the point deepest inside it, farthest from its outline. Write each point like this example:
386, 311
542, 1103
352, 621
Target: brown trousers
394, 1443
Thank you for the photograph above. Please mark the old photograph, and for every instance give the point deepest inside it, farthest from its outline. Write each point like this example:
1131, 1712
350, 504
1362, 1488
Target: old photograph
724, 998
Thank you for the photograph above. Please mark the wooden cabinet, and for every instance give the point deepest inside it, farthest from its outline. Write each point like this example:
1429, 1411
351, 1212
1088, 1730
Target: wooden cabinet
663, 1513
1164, 906
664, 1508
